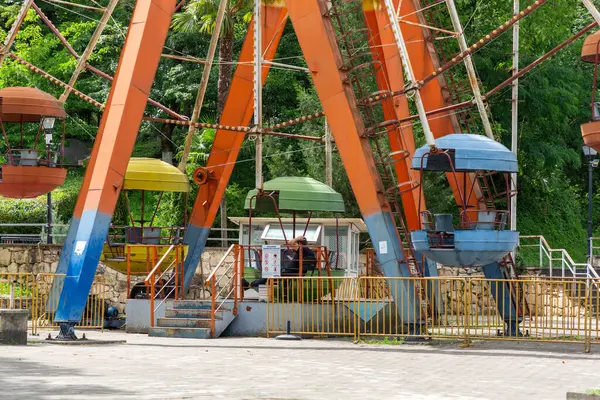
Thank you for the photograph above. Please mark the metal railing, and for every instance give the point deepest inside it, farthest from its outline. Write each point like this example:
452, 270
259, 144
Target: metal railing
17, 290
545, 310
11, 233
168, 279
555, 259
466, 220
39, 294
224, 282
153, 235
47, 295
38, 235
34, 158
595, 246
312, 306
293, 261
216, 240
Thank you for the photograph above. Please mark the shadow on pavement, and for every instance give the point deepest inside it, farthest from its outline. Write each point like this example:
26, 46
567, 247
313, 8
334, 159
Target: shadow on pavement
562, 351
33, 380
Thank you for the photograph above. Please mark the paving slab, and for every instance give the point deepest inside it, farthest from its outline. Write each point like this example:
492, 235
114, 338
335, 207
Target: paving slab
259, 368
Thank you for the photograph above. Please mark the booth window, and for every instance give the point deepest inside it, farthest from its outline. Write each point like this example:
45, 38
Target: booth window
273, 232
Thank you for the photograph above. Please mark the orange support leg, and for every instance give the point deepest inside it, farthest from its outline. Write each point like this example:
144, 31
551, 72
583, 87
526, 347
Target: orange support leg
111, 153
317, 40
423, 65
238, 111
383, 48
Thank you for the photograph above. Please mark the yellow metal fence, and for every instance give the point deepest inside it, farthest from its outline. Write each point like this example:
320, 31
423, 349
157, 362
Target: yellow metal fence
39, 294
308, 305
556, 310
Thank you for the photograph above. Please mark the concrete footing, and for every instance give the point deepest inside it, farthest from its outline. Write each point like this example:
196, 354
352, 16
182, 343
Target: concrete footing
13, 326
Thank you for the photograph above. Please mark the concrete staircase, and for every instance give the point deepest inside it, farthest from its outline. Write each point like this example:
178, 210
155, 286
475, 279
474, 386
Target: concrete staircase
192, 319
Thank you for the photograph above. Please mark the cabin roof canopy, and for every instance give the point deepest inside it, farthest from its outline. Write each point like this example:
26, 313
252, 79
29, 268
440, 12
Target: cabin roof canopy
296, 194
26, 104
357, 222
468, 153
154, 175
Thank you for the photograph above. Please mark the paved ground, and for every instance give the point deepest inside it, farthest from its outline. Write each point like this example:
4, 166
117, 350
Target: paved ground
255, 368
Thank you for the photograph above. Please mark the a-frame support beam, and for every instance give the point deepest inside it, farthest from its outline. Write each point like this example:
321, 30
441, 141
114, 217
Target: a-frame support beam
401, 139
319, 46
421, 51
317, 39
14, 30
226, 147
82, 62
110, 156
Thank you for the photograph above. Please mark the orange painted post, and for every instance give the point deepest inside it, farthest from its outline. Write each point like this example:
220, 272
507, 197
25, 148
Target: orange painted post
319, 260
213, 289
128, 271
152, 301
242, 271
327, 262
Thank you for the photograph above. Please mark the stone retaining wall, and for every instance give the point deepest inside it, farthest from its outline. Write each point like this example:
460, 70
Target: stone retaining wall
40, 259
43, 259
543, 299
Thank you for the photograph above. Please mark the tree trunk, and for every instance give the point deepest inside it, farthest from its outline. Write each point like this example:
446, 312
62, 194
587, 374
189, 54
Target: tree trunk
225, 69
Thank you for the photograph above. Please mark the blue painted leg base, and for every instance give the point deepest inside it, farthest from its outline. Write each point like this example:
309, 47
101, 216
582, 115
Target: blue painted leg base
67, 332
418, 333
511, 329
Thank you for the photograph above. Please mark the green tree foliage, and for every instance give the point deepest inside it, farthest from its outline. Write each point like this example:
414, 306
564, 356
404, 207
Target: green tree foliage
554, 101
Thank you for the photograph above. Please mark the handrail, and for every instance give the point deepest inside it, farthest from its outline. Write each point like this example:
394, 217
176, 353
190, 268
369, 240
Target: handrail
162, 259
176, 278
565, 259
230, 287
225, 279
221, 261
119, 234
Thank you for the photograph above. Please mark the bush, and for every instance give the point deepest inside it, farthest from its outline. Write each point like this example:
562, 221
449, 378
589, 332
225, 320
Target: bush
30, 211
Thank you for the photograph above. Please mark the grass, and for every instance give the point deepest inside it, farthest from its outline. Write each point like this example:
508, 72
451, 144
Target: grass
595, 392
386, 340
20, 291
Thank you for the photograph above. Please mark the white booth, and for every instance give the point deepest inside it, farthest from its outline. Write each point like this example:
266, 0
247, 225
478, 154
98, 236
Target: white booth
320, 232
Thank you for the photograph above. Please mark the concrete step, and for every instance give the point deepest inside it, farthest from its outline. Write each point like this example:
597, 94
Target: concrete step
191, 304
187, 313
183, 322
192, 313
185, 333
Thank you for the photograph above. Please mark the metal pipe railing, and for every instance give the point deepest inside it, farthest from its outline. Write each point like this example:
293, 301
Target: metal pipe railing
566, 261
176, 270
